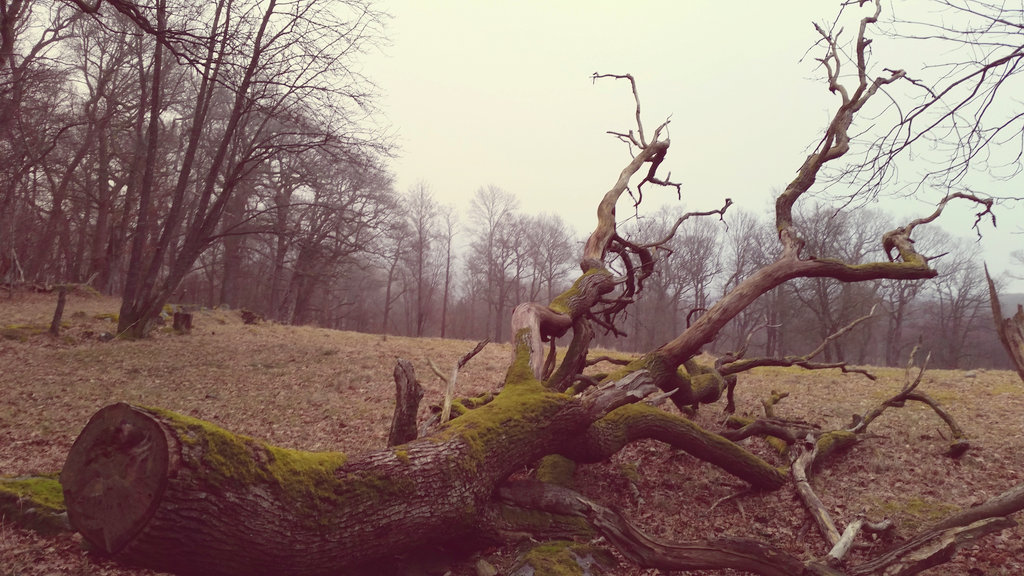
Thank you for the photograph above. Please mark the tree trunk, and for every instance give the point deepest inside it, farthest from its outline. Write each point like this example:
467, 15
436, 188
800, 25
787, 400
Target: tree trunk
136, 308
177, 494
231, 272
58, 313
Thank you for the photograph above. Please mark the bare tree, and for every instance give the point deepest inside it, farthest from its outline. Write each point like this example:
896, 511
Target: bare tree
851, 237
293, 52
745, 244
493, 215
549, 242
448, 236
40, 134
960, 313
422, 259
393, 247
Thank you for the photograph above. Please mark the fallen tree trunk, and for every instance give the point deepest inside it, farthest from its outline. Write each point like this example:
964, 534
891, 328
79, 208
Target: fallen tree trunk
173, 493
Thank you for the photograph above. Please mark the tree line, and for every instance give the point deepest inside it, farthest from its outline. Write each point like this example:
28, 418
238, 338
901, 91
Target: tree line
219, 155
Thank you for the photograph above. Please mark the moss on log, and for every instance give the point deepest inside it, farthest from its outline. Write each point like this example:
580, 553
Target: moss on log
177, 494
635, 421
34, 502
563, 558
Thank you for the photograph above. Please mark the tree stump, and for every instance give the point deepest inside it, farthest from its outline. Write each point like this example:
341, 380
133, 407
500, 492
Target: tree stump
182, 322
250, 317
408, 393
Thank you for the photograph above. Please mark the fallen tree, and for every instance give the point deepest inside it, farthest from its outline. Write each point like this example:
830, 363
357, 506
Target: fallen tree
165, 491
177, 494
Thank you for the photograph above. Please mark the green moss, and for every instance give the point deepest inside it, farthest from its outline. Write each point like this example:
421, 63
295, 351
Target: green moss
306, 478
830, 443
561, 303
458, 408
1009, 388
536, 521
21, 332
555, 469
477, 401
613, 428
916, 512
522, 403
369, 486
43, 491
779, 445
107, 316
562, 558
402, 455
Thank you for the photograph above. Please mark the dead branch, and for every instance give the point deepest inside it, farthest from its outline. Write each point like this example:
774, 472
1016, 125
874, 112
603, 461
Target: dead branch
641, 420
840, 549
769, 403
802, 462
733, 362
835, 142
592, 361
652, 177
899, 399
598, 243
546, 322
1005, 504
449, 391
764, 427
934, 546
959, 444
687, 216
931, 548
648, 552
636, 98
1010, 330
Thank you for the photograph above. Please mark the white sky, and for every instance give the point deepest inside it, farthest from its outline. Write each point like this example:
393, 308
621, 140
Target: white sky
499, 92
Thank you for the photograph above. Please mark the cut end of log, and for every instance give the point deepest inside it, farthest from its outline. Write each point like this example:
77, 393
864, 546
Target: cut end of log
114, 476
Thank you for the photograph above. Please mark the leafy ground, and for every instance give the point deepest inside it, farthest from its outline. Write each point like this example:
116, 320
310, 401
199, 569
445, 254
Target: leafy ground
315, 389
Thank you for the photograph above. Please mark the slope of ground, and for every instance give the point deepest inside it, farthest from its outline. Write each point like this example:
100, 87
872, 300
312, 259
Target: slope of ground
315, 389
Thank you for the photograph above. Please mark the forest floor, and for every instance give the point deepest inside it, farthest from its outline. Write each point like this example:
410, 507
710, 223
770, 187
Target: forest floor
318, 390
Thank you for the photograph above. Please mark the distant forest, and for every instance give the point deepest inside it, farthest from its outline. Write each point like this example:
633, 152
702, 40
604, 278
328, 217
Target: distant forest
405, 264
234, 168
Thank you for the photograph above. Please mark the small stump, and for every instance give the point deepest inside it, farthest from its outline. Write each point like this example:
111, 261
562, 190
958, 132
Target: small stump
183, 322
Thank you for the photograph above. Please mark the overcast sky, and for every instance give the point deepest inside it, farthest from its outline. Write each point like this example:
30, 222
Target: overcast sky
499, 93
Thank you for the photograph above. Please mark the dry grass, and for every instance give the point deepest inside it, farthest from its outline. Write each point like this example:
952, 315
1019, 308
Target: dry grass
316, 389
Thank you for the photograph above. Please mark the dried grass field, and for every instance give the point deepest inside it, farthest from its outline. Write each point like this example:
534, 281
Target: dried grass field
316, 389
